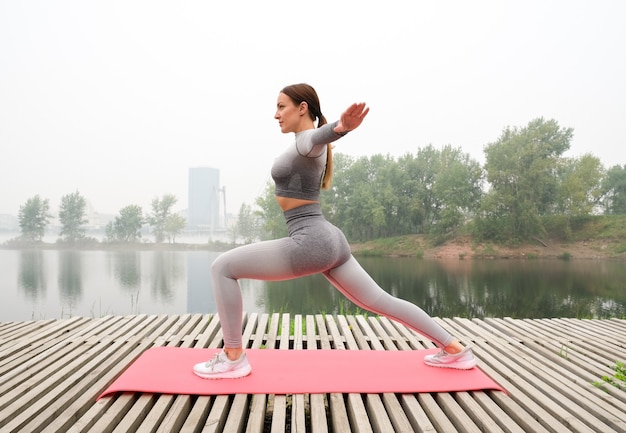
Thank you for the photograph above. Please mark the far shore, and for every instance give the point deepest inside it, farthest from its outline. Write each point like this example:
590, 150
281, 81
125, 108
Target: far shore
407, 246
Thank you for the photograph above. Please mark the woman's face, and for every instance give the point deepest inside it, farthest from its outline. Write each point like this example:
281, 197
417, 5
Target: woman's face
288, 113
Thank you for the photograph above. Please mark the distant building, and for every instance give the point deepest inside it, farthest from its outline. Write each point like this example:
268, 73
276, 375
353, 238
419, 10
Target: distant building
204, 198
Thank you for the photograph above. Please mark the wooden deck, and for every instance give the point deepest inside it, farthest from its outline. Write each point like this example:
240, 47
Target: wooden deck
51, 372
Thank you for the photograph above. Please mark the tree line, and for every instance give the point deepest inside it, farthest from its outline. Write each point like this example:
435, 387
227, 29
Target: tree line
34, 216
525, 184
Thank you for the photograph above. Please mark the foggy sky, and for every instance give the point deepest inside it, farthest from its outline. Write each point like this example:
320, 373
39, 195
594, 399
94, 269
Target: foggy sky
118, 99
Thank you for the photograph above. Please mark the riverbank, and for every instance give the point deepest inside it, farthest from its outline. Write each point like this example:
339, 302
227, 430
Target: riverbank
461, 247
464, 247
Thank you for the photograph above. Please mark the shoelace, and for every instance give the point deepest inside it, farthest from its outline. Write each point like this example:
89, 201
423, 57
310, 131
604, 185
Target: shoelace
441, 354
214, 361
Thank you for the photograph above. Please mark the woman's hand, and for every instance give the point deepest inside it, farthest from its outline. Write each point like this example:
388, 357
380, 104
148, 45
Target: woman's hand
351, 118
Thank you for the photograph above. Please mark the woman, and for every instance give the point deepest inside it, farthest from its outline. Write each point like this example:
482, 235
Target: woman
314, 245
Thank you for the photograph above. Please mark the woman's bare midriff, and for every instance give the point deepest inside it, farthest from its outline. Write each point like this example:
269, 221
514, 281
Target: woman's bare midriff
287, 203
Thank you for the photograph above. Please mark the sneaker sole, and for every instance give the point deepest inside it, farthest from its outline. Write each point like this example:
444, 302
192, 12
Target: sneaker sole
455, 365
237, 374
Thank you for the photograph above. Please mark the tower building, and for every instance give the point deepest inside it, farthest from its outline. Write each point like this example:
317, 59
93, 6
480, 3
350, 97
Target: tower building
204, 198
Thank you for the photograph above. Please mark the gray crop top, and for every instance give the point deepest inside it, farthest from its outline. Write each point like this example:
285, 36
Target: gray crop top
298, 171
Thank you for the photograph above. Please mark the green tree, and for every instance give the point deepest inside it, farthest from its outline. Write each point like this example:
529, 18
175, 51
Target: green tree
407, 186
33, 218
174, 225
521, 169
72, 215
448, 185
247, 226
457, 190
273, 220
161, 211
127, 226
614, 188
580, 189
332, 199
362, 198
377, 196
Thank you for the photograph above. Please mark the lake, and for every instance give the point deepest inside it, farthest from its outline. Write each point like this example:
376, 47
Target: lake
49, 284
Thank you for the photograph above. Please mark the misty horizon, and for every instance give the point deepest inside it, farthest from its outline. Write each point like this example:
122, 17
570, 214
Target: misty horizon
117, 100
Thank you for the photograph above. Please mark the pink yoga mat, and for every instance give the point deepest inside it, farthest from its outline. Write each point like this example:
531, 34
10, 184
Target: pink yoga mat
168, 370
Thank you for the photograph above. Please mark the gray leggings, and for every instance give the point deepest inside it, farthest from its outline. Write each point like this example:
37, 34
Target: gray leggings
313, 246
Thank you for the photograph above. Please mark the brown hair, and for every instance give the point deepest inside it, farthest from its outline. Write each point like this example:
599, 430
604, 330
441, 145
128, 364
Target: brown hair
303, 92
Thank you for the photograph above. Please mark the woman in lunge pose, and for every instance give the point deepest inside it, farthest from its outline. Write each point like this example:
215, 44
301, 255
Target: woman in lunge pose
314, 245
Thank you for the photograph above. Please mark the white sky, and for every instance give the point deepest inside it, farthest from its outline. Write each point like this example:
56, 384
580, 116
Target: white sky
117, 99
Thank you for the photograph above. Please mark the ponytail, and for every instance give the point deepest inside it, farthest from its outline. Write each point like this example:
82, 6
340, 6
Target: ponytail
327, 179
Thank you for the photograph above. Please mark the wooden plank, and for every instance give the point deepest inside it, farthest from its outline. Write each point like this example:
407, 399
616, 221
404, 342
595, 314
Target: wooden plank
457, 416
39, 345
414, 413
235, 422
381, 340
46, 386
278, 403
275, 406
178, 406
148, 413
217, 415
258, 402
77, 358
337, 406
546, 390
490, 362
198, 414
485, 420
357, 414
17, 345
147, 342
114, 356
496, 360
435, 414
375, 408
317, 402
131, 418
586, 366
593, 344
299, 402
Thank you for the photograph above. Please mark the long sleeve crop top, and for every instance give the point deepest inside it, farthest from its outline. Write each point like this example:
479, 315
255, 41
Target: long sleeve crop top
298, 171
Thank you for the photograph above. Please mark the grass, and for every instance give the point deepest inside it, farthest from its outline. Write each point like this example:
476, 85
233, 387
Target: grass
617, 379
406, 246
565, 256
488, 250
597, 229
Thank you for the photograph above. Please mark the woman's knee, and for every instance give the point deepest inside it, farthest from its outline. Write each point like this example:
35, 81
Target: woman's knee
220, 265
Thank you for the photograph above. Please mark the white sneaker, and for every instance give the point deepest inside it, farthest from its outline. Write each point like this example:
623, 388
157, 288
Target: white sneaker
220, 367
464, 360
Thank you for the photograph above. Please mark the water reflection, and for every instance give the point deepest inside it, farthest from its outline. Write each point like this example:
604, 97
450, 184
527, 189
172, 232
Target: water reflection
52, 284
127, 268
521, 289
199, 285
168, 269
308, 295
32, 278
70, 277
